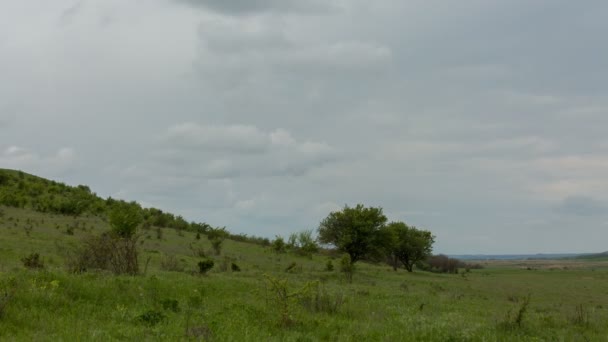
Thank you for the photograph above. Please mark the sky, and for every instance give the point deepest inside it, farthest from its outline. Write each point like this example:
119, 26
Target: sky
483, 121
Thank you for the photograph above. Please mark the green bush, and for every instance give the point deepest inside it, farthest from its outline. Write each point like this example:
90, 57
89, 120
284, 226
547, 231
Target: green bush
205, 265
33, 261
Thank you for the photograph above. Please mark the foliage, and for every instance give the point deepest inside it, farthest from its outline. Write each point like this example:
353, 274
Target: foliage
278, 245
125, 218
104, 252
347, 267
171, 263
329, 266
321, 300
205, 265
515, 319
302, 243
281, 297
217, 236
407, 245
354, 231
33, 261
151, 317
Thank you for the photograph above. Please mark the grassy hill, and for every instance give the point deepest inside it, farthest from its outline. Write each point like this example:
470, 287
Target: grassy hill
267, 296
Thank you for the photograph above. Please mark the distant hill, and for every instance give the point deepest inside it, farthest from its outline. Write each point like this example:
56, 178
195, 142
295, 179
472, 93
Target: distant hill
539, 256
22, 190
595, 256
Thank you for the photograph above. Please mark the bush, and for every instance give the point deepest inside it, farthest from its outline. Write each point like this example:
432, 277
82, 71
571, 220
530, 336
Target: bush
329, 266
347, 267
205, 265
105, 252
278, 245
151, 317
33, 261
282, 298
172, 264
319, 300
235, 268
443, 264
291, 267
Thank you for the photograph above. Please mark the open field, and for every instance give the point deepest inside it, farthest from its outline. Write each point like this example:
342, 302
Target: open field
554, 300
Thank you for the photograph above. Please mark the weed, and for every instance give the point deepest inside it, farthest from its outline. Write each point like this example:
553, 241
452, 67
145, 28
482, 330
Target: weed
8, 287
282, 298
291, 267
171, 263
33, 261
347, 267
171, 305
205, 265
516, 320
581, 316
320, 300
151, 317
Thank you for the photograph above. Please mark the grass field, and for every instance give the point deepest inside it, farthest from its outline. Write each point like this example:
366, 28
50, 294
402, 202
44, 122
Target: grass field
565, 300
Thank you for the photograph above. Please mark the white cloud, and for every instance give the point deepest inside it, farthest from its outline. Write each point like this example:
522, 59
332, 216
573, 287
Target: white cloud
21, 158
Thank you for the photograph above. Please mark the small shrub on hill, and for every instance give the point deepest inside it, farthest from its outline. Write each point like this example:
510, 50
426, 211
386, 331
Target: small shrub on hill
33, 261
205, 265
347, 267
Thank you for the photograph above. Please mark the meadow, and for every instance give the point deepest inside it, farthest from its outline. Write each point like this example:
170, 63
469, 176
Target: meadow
279, 297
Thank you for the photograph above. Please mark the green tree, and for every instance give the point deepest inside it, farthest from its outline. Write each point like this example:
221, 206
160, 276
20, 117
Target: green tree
278, 244
407, 245
354, 231
217, 236
125, 218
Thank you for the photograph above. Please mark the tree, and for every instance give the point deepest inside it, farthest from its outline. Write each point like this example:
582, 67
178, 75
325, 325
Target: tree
125, 218
407, 245
217, 236
354, 231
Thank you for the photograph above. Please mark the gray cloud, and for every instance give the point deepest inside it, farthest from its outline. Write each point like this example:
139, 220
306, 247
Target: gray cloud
482, 121
243, 7
582, 206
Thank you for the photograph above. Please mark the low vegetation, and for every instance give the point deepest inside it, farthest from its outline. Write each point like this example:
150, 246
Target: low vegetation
117, 278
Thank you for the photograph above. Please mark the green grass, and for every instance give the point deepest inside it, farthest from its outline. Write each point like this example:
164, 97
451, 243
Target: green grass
379, 305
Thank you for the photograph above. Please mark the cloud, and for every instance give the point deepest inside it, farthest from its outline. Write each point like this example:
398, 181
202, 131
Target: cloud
246, 7
235, 138
24, 159
582, 206
227, 151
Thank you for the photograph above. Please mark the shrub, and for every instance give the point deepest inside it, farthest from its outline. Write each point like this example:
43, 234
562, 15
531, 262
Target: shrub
581, 316
291, 267
198, 251
216, 237
278, 245
151, 317
347, 267
105, 252
205, 265
124, 218
235, 268
515, 320
171, 305
280, 296
329, 266
319, 300
33, 261
172, 264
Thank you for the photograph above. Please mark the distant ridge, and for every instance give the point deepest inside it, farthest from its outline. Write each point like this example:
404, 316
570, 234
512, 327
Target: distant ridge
539, 256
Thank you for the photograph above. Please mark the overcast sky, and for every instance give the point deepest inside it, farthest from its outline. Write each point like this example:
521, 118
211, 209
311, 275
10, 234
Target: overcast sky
483, 121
